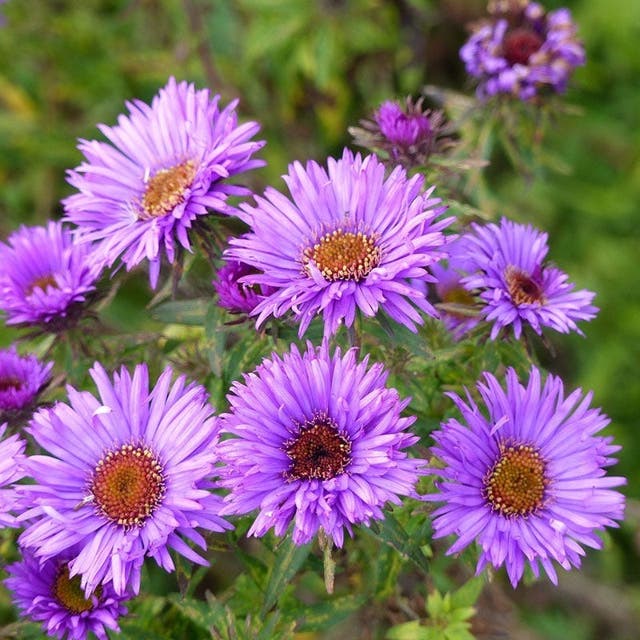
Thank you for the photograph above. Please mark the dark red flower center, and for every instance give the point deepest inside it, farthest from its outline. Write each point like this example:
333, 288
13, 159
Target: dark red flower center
7, 383
166, 189
515, 485
128, 484
520, 44
43, 282
70, 595
318, 451
343, 255
523, 289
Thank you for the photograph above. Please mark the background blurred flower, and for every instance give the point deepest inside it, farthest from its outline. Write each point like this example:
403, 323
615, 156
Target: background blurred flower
22, 378
128, 476
348, 239
45, 278
46, 593
233, 294
167, 164
523, 51
318, 442
506, 263
526, 481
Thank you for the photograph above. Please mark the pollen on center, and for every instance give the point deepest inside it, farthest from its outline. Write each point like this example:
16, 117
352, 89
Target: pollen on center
70, 595
318, 452
516, 484
165, 190
343, 255
523, 289
128, 484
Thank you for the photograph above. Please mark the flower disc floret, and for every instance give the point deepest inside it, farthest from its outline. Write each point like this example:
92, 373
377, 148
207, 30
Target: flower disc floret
317, 442
127, 474
165, 165
349, 239
524, 475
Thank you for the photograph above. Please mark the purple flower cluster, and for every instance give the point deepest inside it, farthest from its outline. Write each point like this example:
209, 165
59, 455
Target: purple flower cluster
507, 270
318, 442
167, 165
46, 279
525, 477
355, 239
523, 51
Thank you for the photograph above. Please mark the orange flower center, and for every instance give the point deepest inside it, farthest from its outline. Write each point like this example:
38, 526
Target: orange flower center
318, 452
523, 289
43, 282
128, 484
10, 382
343, 255
166, 189
520, 44
516, 483
69, 593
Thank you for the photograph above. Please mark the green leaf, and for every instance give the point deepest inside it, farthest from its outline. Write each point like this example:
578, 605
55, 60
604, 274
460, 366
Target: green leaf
288, 559
324, 615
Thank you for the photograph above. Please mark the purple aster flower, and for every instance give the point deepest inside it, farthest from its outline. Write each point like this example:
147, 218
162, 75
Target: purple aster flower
167, 164
22, 378
348, 239
233, 294
46, 593
507, 265
45, 278
409, 134
128, 476
11, 470
523, 51
319, 442
526, 479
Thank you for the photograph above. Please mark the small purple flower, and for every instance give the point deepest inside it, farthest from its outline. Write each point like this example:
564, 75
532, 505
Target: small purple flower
22, 378
167, 164
507, 265
523, 51
46, 593
11, 470
348, 239
233, 294
45, 278
409, 134
128, 475
525, 477
318, 442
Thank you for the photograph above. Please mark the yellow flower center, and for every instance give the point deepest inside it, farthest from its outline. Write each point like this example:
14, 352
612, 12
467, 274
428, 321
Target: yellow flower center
318, 452
128, 484
343, 255
166, 189
43, 282
69, 594
523, 289
515, 485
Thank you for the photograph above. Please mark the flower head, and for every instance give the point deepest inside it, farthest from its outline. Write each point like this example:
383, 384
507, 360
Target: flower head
128, 475
167, 164
318, 442
233, 294
525, 479
22, 378
507, 266
11, 470
409, 134
45, 278
347, 240
46, 593
523, 51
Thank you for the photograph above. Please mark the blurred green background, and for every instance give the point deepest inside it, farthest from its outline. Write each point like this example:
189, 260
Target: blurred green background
308, 70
